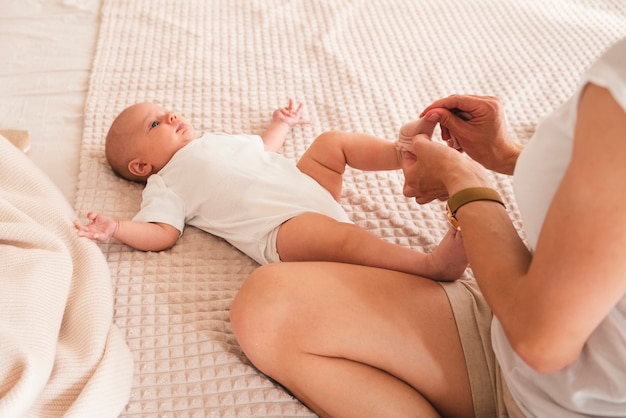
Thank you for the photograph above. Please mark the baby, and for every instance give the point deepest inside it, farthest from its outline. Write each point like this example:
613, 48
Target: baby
239, 188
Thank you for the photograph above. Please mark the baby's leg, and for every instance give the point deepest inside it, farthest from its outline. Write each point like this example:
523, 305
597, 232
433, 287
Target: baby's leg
315, 237
326, 159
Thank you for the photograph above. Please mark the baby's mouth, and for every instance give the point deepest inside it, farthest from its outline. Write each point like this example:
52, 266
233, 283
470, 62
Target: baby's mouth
181, 127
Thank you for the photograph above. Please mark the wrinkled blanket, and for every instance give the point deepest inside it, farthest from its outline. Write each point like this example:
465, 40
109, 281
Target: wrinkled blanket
60, 354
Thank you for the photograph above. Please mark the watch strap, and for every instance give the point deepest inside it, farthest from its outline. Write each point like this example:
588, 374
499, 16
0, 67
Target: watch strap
466, 196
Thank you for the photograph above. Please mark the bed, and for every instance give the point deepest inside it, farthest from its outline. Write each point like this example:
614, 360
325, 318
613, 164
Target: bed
103, 330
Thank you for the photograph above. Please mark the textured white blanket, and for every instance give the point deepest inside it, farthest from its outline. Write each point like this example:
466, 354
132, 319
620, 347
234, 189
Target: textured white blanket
60, 355
359, 65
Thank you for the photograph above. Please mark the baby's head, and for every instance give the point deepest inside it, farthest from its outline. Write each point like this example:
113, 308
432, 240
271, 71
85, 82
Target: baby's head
143, 138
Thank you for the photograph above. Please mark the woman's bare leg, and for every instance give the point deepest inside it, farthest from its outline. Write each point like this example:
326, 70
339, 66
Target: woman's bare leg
315, 237
354, 341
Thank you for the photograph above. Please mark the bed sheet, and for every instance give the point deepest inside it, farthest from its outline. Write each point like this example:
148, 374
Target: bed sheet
47, 52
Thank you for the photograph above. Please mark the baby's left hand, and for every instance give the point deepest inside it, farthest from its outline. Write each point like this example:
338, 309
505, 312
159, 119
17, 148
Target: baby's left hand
289, 115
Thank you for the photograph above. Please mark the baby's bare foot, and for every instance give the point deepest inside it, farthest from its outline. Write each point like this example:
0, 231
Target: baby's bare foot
448, 261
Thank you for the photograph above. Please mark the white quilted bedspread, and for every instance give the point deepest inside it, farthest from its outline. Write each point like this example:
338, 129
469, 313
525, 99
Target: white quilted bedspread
359, 65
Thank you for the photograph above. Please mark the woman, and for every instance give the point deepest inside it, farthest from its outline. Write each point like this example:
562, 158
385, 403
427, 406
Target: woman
357, 341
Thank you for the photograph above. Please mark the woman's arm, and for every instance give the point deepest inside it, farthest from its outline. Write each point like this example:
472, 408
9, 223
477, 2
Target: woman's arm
549, 304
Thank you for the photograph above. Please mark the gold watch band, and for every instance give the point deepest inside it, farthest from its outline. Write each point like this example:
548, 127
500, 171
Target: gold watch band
466, 196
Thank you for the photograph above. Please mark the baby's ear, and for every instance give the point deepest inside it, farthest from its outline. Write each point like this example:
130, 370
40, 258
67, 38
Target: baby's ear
139, 167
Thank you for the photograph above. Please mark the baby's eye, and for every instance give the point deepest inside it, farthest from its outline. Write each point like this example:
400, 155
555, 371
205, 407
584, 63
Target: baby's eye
154, 124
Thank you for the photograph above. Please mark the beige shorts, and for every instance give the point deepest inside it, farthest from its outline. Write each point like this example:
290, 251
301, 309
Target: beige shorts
490, 394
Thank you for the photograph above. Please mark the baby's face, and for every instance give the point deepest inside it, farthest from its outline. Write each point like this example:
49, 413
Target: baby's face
157, 133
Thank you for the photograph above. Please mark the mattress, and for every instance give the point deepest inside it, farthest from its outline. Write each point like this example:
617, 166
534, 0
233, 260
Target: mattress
358, 65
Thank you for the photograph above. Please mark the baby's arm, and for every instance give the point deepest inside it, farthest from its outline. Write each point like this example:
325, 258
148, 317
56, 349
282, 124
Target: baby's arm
282, 120
145, 236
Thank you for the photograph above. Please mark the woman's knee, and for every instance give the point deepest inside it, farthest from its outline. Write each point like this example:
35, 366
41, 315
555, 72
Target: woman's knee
257, 314
247, 309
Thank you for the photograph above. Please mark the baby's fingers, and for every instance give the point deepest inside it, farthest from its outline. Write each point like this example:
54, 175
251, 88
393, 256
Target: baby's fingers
299, 108
78, 225
304, 122
85, 233
92, 216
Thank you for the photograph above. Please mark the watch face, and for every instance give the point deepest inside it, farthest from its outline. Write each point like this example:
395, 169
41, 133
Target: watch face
452, 219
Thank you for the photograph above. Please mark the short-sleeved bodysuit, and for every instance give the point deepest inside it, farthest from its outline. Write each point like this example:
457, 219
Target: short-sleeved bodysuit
229, 186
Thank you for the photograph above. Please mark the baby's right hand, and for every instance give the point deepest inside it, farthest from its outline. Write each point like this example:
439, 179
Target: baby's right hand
101, 228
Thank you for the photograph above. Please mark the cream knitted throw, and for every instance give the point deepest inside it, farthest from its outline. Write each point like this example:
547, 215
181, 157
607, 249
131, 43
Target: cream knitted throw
60, 355
359, 65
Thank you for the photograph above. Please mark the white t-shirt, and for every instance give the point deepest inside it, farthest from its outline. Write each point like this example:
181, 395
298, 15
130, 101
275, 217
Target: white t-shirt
229, 186
594, 385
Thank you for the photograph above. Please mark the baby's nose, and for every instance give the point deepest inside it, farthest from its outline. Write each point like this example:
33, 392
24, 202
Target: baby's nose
171, 117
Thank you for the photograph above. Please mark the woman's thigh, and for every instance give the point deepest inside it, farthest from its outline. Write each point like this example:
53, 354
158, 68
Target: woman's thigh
398, 323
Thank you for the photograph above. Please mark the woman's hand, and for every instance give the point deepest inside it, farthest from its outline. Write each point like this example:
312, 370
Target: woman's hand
476, 125
434, 171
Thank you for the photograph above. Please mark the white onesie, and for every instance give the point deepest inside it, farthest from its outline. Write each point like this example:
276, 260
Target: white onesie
229, 186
